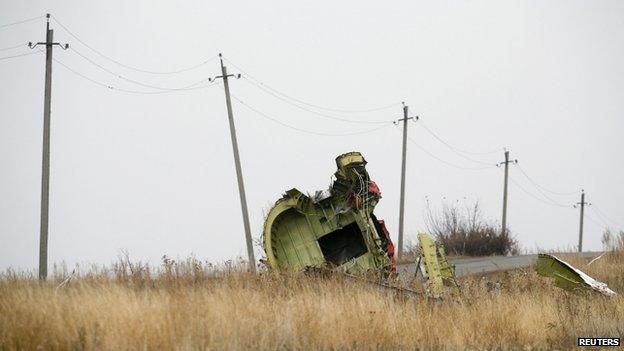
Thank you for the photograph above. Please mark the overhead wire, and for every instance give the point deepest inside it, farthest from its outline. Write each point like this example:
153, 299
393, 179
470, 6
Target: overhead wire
539, 187
604, 216
186, 69
373, 109
321, 114
444, 161
111, 87
20, 22
601, 216
600, 224
456, 149
451, 147
133, 80
556, 204
602, 220
20, 55
263, 86
275, 120
13, 47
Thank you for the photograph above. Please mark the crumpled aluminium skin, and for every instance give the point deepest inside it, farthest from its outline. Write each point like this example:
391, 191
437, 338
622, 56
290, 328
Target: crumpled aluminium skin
568, 277
334, 227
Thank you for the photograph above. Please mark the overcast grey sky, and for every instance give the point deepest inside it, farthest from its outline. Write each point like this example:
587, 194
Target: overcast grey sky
154, 173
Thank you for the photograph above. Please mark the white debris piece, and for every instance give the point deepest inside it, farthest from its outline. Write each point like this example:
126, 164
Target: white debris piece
593, 283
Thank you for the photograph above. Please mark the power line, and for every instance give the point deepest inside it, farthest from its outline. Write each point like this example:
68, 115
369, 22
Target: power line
595, 221
535, 197
604, 216
309, 110
600, 219
539, 187
444, 161
275, 120
379, 108
20, 22
110, 87
135, 81
20, 55
12, 47
457, 151
190, 68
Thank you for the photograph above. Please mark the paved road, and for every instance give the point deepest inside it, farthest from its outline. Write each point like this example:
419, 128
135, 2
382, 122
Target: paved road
466, 266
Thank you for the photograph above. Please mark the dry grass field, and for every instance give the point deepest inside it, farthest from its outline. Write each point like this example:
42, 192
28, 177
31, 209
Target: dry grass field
190, 306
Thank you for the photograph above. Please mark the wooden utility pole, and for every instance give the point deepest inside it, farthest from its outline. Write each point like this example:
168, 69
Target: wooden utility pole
239, 172
506, 182
582, 205
403, 162
45, 166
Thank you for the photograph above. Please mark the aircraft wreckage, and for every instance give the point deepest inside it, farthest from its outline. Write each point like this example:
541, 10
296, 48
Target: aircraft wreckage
568, 277
334, 228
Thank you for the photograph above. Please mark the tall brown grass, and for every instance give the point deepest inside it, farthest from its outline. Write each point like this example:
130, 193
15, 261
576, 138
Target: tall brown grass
191, 306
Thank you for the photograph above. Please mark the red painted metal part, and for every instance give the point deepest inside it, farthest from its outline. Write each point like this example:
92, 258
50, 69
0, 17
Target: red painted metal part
374, 189
390, 246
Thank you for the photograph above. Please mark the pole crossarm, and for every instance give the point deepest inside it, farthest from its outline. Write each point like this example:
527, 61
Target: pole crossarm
396, 122
48, 42
62, 46
237, 76
582, 202
507, 162
224, 76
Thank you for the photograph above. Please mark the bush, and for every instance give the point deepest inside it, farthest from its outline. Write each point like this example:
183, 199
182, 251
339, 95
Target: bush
466, 232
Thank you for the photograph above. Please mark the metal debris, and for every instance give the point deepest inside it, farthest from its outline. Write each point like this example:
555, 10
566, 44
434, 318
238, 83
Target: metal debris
334, 228
567, 277
435, 267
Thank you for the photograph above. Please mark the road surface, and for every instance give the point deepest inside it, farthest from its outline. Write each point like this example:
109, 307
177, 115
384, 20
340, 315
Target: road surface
489, 264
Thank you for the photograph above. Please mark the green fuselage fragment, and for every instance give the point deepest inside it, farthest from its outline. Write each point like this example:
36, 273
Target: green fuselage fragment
437, 267
567, 277
334, 228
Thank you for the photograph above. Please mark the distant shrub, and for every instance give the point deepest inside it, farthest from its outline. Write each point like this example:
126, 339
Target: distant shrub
466, 232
